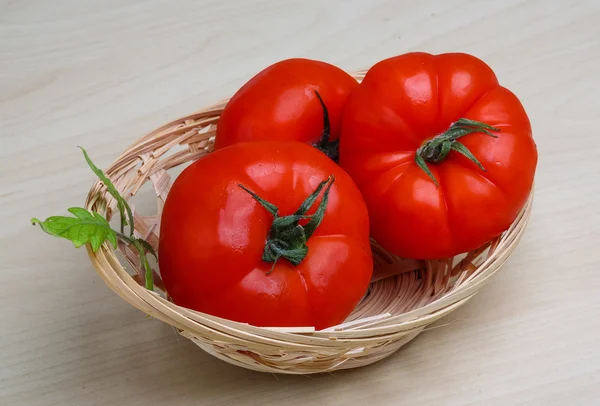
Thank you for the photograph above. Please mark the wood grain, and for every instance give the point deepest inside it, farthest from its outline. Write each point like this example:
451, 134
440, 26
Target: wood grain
100, 73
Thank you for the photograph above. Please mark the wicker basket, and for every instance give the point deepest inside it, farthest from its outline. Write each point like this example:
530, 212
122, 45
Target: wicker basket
394, 311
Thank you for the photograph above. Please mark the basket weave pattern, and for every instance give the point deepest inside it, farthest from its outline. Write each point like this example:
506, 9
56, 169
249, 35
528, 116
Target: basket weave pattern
394, 311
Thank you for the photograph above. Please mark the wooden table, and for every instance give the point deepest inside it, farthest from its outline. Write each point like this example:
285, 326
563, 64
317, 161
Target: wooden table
101, 73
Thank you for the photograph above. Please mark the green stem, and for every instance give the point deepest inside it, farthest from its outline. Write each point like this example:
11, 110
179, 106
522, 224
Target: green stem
437, 149
287, 238
124, 237
142, 248
144, 263
329, 148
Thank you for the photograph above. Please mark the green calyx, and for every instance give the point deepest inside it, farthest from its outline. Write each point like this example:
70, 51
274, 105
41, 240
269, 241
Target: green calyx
329, 148
287, 238
437, 149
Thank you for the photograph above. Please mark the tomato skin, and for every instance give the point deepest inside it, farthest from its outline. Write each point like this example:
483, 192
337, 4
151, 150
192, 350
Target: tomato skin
280, 104
409, 99
213, 234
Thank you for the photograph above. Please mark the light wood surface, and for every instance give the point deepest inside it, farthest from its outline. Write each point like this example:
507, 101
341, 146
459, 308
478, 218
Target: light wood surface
100, 73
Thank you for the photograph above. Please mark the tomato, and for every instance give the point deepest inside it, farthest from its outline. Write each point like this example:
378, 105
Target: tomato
435, 183
292, 100
230, 245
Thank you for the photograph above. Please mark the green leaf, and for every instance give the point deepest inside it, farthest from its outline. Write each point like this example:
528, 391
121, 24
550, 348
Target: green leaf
91, 227
460, 148
473, 123
316, 219
287, 221
122, 204
445, 150
294, 255
488, 133
270, 207
84, 228
423, 165
475, 126
308, 202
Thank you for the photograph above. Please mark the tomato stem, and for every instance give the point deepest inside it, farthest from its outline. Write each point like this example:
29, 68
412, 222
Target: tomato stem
329, 148
437, 149
287, 238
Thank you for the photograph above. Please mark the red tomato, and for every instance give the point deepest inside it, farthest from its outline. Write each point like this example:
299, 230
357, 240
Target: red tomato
282, 103
223, 252
404, 121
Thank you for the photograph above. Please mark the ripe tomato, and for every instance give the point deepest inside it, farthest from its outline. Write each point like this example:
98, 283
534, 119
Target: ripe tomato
225, 253
292, 100
435, 183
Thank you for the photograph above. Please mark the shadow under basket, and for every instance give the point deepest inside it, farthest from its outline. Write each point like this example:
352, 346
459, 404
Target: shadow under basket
393, 312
